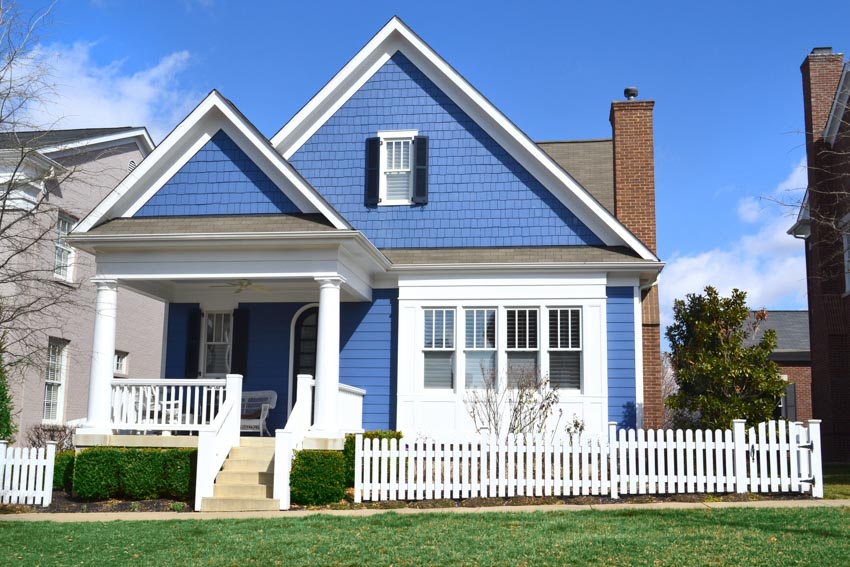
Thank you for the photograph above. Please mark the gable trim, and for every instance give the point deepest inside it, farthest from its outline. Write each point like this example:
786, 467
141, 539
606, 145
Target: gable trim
138, 136
394, 37
214, 113
839, 106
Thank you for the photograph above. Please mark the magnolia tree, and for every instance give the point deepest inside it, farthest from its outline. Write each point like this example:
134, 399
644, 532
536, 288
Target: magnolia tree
721, 372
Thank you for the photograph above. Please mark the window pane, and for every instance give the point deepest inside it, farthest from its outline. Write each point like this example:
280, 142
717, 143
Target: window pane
449, 338
511, 328
565, 369
575, 328
429, 328
398, 186
480, 368
522, 368
51, 401
217, 359
532, 329
439, 369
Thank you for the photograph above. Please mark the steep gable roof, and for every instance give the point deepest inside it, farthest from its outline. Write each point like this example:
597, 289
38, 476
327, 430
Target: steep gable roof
590, 162
395, 37
213, 115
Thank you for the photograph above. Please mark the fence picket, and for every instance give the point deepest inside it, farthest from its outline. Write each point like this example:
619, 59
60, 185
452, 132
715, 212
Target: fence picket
794, 456
511, 478
709, 461
651, 453
762, 445
783, 455
393, 494
690, 459
699, 447
773, 450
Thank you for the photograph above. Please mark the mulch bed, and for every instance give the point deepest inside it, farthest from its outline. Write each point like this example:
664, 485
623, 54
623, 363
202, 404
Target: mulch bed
63, 502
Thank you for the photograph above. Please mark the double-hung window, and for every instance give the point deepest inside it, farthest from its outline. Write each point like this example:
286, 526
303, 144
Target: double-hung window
119, 365
218, 341
522, 346
480, 347
396, 167
565, 347
64, 254
439, 347
54, 380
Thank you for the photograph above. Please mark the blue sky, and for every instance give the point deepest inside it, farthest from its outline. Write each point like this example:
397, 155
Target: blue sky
724, 75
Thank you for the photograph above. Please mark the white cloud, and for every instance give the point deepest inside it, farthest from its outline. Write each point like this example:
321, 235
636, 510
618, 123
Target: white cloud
87, 94
767, 263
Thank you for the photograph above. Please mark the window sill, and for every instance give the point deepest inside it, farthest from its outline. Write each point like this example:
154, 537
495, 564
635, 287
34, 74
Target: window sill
394, 203
66, 282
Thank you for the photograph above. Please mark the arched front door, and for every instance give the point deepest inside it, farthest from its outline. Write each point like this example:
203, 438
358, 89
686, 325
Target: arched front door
305, 332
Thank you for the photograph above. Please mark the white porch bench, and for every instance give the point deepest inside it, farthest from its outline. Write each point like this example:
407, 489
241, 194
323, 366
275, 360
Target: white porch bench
255, 411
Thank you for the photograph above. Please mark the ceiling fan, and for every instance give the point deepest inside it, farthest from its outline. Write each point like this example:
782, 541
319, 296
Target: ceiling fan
242, 285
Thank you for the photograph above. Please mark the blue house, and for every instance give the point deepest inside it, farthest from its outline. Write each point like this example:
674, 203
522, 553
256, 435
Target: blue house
400, 243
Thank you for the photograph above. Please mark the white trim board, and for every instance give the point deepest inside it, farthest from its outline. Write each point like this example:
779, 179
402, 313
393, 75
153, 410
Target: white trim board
214, 113
839, 106
139, 135
394, 37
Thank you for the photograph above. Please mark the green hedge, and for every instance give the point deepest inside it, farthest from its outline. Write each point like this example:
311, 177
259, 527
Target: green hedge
63, 470
348, 450
101, 473
318, 477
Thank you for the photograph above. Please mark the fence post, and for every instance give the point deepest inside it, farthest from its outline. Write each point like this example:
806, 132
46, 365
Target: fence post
739, 438
48, 474
282, 467
358, 468
612, 457
817, 458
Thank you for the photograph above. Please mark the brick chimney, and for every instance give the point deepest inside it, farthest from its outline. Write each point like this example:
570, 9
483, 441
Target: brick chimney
821, 73
634, 206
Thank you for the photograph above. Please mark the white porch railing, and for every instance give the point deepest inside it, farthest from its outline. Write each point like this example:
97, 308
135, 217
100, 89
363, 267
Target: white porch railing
167, 404
26, 474
301, 416
350, 407
216, 440
771, 457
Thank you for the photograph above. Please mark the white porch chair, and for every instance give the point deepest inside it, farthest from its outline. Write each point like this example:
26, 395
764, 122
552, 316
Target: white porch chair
255, 411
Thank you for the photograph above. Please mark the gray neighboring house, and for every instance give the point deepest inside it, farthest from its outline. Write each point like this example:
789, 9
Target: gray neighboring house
56, 391
793, 355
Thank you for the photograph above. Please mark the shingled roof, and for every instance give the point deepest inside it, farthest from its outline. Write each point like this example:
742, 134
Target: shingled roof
36, 139
792, 334
590, 162
213, 224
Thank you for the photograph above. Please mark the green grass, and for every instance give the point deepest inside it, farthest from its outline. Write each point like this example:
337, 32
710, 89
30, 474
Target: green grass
812, 536
836, 480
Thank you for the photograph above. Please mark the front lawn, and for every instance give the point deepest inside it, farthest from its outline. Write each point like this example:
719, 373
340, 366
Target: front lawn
813, 536
836, 480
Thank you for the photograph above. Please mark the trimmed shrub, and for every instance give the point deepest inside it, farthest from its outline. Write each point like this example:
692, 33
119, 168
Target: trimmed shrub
348, 451
101, 473
63, 471
318, 477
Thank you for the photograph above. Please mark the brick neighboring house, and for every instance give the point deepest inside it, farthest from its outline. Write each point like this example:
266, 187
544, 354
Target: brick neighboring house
55, 390
823, 222
793, 356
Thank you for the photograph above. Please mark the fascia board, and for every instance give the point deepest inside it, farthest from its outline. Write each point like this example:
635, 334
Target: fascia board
574, 267
839, 106
142, 138
396, 36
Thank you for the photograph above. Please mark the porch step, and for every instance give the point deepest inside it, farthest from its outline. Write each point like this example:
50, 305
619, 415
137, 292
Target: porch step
256, 441
221, 504
244, 477
252, 453
248, 465
225, 490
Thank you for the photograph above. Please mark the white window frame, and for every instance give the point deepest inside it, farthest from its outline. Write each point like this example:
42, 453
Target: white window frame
475, 348
388, 137
205, 342
536, 349
64, 272
453, 348
119, 363
56, 375
579, 349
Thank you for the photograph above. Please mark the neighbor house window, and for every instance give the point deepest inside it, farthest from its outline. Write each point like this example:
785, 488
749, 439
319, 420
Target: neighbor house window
54, 380
218, 341
480, 347
396, 177
64, 254
565, 348
119, 365
439, 348
522, 346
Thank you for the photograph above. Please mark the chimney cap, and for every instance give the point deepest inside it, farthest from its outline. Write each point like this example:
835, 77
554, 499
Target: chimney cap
630, 93
822, 51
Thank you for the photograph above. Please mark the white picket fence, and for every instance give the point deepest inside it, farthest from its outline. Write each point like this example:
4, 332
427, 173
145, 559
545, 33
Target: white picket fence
770, 457
26, 474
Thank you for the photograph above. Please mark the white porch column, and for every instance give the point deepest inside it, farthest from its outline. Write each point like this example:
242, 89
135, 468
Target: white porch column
327, 358
102, 357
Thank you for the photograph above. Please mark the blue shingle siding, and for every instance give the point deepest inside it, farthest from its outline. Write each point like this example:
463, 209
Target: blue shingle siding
175, 339
367, 355
478, 194
620, 313
218, 180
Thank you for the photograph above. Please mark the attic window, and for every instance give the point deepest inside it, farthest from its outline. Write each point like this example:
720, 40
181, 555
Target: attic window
397, 169
131, 166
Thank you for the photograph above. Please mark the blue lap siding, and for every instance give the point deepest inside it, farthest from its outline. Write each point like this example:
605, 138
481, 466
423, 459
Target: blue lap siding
218, 180
479, 195
620, 313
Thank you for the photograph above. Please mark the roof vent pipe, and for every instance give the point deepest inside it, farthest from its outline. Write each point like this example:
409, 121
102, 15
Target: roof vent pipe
630, 93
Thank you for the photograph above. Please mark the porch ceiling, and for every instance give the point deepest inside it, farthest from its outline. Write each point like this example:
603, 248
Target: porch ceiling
232, 291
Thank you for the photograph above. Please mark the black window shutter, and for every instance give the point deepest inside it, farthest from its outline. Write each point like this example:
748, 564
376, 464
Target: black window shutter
373, 168
420, 172
789, 407
239, 353
193, 342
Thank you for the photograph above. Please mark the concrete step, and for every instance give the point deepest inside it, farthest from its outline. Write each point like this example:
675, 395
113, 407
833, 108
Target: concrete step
248, 465
217, 504
242, 490
252, 453
244, 477
256, 441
